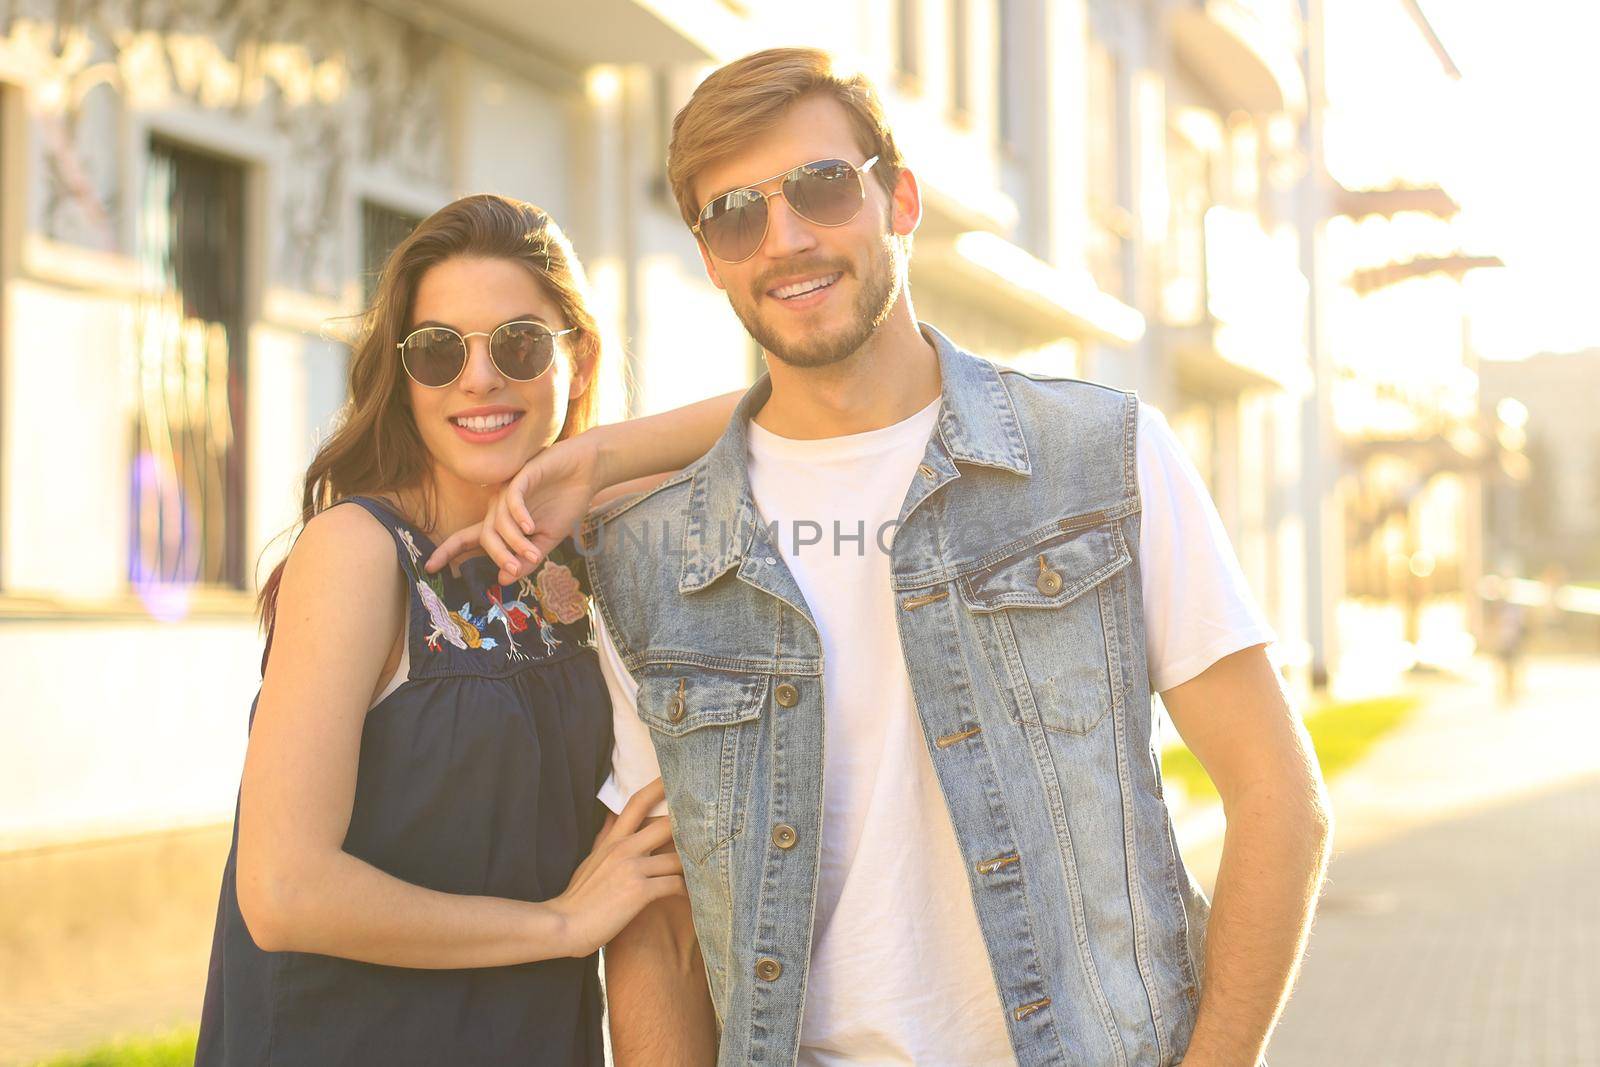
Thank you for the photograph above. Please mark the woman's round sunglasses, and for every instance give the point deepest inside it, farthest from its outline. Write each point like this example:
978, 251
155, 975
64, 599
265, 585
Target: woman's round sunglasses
828, 192
434, 356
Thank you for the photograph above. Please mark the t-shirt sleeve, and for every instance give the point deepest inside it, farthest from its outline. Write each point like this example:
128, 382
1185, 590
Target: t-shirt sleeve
633, 754
1198, 607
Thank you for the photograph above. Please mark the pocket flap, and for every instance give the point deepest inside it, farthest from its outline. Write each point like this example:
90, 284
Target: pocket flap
1079, 559
676, 699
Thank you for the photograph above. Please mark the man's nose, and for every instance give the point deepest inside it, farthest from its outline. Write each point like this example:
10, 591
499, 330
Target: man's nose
788, 233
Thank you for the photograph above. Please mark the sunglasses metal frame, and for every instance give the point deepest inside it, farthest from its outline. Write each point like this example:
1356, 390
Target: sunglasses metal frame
755, 187
400, 346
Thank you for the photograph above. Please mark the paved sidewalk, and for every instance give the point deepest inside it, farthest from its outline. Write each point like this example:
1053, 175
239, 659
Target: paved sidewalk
105, 940
1460, 926
1475, 940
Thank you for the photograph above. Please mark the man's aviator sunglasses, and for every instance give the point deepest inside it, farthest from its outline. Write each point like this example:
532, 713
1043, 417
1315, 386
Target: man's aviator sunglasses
827, 192
434, 356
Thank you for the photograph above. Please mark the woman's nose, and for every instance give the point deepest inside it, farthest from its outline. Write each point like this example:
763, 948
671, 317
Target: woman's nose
480, 375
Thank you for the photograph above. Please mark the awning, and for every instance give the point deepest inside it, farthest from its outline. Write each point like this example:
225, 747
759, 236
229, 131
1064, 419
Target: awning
997, 271
1365, 281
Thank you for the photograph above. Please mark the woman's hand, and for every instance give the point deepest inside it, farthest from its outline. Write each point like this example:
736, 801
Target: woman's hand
620, 876
540, 505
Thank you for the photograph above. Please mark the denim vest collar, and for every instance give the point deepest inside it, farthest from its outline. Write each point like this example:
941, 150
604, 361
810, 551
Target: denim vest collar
977, 424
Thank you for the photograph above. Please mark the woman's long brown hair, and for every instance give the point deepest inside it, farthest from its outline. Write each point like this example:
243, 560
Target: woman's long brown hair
375, 447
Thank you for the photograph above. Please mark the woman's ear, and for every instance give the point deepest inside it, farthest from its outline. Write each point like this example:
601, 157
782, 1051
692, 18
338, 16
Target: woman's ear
583, 370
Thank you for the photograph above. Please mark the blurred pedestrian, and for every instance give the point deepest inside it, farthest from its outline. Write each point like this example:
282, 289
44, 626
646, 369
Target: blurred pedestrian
1508, 627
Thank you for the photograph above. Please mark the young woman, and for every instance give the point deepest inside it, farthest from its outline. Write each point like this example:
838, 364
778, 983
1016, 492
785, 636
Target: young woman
408, 881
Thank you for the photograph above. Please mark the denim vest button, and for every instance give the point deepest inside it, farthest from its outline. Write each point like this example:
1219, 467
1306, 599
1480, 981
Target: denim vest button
783, 836
1049, 581
788, 695
768, 969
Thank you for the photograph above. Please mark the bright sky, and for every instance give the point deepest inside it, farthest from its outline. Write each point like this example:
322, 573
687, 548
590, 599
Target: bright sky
1529, 168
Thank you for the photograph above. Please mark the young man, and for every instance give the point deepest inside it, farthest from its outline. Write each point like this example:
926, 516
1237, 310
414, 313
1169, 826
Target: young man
891, 645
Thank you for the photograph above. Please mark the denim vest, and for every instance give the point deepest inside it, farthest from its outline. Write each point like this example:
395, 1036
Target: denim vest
1016, 568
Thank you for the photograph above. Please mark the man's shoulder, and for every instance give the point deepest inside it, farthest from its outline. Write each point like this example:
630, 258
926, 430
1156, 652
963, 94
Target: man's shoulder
1058, 387
1055, 410
634, 545
668, 498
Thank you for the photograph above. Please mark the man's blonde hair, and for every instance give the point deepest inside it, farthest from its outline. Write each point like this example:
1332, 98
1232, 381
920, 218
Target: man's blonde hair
739, 100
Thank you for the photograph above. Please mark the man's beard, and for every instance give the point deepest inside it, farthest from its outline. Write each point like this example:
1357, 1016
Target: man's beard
878, 293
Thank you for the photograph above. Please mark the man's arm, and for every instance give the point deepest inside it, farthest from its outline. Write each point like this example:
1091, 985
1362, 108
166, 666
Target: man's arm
1236, 720
661, 1012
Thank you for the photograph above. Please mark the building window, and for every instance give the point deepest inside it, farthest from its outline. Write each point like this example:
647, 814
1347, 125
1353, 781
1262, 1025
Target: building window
960, 60
382, 229
1110, 214
909, 39
5, 164
187, 483
1244, 162
1183, 290
1018, 55
1011, 94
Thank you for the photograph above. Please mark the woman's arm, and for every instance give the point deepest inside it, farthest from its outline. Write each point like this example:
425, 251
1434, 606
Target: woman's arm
339, 611
653, 444
547, 499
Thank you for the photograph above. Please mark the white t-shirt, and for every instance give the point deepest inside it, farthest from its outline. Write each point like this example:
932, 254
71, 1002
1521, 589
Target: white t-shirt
918, 947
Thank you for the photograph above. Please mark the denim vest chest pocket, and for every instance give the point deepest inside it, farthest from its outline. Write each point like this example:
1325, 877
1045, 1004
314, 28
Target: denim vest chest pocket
1046, 604
703, 724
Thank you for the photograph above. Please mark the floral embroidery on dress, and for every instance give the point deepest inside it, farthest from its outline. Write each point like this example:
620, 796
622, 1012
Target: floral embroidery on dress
558, 592
411, 545
446, 624
555, 592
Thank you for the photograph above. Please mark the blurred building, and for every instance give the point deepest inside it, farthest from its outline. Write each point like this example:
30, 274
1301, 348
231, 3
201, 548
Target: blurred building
1231, 300
1547, 523
197, 199
1398, 382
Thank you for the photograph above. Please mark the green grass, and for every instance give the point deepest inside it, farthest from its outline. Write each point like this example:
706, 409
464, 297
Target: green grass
1341, 732
170, 1050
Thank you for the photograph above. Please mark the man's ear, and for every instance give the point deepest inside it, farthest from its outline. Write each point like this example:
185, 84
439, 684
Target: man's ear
905, 204
710, 263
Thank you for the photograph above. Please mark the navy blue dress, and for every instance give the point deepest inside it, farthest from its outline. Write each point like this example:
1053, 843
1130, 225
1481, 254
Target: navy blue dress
478, 775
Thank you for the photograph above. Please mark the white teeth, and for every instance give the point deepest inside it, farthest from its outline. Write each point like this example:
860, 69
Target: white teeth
801, 288
486, 423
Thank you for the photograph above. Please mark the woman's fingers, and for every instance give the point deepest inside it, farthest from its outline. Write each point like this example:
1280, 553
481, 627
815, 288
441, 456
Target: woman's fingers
512, 535
669, 886
638, 806
666, 863
654, 835
516, 497
459, 543
489, 538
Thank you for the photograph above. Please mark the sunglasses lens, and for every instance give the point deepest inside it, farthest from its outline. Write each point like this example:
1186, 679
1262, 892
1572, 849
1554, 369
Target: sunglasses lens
828, 192
433, 356
522, 350
733, 225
